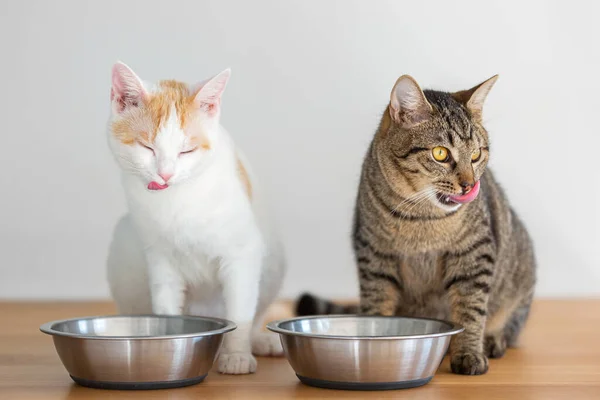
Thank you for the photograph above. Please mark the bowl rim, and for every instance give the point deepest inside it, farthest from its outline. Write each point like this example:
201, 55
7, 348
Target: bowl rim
229, 326
274, 326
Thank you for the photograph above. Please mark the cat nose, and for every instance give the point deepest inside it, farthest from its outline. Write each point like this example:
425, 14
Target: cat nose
166, 176
466, 186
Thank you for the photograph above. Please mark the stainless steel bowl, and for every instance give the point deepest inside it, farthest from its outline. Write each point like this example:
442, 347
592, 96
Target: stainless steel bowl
364, 353
138, 352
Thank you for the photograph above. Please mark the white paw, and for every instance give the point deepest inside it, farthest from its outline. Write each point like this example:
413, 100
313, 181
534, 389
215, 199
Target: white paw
266, 344
237, 363
165, 309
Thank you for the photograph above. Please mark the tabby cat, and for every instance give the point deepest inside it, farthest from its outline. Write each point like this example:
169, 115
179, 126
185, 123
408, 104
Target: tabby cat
434, 235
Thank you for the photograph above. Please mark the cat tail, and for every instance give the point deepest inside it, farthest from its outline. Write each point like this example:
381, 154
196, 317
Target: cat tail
309, 304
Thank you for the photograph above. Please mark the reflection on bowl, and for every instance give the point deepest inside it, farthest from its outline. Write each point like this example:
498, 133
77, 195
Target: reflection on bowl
363, 352
138, 351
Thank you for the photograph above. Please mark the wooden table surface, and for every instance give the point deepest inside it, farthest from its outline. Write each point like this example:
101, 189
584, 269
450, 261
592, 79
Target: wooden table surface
559, 358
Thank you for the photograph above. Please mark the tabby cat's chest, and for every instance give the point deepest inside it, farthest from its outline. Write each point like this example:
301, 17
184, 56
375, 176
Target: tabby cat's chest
415, 238
422, 273
422, 278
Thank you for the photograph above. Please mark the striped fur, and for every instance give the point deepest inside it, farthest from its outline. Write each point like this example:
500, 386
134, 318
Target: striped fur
416, 256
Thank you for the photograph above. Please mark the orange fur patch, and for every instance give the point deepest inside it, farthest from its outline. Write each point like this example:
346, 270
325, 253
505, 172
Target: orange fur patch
172, 93
199, 141
143, 123
124, 131
243, 174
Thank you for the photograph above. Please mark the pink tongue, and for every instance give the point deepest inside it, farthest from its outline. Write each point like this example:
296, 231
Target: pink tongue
466, 198
157, 186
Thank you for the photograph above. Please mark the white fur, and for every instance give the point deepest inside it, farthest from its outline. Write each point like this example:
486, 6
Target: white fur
199, 247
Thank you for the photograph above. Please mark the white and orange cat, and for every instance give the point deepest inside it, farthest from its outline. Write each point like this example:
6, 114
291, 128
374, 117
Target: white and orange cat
196, 239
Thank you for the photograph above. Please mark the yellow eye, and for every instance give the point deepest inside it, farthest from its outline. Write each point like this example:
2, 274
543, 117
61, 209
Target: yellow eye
440, 154
476, 155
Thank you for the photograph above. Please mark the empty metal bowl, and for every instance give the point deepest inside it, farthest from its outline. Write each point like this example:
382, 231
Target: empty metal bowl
138, 352
362, 352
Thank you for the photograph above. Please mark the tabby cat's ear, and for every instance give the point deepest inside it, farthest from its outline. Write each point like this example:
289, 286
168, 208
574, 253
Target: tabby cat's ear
127, 88
474, 98
408, 105
208, 97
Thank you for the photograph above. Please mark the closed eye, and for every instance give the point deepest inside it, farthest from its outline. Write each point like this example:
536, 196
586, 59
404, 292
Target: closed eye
147, 147
188, 151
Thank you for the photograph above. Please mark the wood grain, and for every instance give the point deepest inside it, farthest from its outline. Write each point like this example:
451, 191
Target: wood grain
559, 358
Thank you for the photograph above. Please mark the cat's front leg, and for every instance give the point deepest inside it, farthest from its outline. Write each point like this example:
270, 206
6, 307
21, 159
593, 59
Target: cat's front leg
380, 284
467, 281
167, 287
240, 279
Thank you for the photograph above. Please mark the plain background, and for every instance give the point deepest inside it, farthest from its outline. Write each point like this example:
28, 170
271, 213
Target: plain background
310, 81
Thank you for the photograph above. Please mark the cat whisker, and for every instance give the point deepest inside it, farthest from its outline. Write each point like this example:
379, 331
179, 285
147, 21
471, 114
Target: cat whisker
415, 200
409, 200
430, 194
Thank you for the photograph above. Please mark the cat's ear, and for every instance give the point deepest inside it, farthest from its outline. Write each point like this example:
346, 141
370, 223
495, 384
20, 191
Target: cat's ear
208, 97
127, 88
474, 98
408, 105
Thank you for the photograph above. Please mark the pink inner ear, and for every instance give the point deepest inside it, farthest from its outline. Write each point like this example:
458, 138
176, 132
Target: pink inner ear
210, 108
127, 89
118, 84
120, 100
209, 95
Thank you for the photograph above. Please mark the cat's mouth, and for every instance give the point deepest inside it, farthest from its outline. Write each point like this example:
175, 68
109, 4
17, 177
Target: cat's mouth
454, 199
156, 186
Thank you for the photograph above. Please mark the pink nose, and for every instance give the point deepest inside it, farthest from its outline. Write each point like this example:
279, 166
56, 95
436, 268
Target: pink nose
165, 176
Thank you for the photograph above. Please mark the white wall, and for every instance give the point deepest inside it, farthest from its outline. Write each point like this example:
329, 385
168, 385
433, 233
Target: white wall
310, 80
